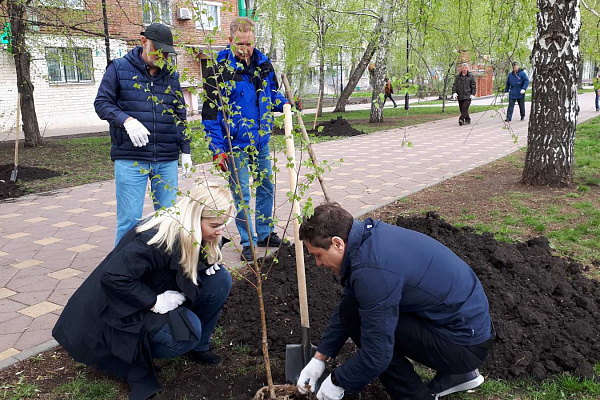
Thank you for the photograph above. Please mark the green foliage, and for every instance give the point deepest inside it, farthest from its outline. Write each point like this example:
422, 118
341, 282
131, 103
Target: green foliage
18, 391
81, 388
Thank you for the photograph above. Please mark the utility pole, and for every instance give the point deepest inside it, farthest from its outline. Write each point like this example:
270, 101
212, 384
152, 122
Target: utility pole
407, 96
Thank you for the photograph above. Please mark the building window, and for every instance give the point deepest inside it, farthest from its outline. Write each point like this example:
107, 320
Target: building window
67, 65
210, 15
157, 11
72, 4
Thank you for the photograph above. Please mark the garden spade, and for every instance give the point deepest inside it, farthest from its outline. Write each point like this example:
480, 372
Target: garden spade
297, 355
13, 174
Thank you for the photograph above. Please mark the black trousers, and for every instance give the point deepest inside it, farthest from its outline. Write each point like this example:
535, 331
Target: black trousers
511, 107
463, 105
414, 339
389, 96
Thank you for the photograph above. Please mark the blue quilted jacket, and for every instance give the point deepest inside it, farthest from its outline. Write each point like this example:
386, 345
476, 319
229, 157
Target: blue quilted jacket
516, 82
128, 90
252, 96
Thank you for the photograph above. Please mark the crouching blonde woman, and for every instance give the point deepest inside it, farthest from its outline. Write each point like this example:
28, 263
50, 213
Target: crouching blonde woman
158, 294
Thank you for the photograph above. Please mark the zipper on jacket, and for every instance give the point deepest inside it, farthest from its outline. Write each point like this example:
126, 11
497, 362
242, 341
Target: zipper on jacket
154, 119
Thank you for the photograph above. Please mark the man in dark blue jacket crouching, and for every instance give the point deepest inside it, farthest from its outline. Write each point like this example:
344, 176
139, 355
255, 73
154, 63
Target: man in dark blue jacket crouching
406, 296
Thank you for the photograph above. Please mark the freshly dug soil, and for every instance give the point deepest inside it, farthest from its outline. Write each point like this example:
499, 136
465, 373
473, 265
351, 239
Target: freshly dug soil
9, 189
336, 127
544, 310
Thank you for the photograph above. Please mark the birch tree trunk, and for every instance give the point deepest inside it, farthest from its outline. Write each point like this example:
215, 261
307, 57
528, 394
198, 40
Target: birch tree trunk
31, 130
359, 70
381, 61
555, 58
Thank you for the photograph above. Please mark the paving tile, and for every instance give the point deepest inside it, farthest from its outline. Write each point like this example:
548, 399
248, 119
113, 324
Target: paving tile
105, 214
27, 263
8, 352
9, 215
64, 273
52, 207
77, 210
32, 339
81, 248
95, 228
2, 254
47, 241
70, 283
36, 219
61, 296
16, 325
45, 322
17, 235
30, 298
22, 282
64, 224
5, 292
37, 310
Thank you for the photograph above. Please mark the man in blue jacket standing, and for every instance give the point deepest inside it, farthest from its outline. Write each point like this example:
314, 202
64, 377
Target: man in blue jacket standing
516, 85
240, 127
141, 99
406, 296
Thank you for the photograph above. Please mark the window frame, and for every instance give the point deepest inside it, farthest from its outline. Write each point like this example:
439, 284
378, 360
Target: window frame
160, 6
78, 68
202, 25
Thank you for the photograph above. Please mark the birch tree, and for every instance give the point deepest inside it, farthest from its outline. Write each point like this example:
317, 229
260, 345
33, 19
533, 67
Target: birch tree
555, 58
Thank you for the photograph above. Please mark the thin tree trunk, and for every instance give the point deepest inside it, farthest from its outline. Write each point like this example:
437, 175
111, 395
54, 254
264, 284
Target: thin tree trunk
555, 58
31, 130
359, 70
381, 62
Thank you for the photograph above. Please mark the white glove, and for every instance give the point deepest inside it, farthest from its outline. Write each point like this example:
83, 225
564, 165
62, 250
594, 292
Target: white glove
309, 376
522, 91
472, 96
186, 164
212, 269
329, 391
454, 95
137, 132
168, 301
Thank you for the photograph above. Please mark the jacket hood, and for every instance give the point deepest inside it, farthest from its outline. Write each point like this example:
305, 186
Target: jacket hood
134, 56
228, 54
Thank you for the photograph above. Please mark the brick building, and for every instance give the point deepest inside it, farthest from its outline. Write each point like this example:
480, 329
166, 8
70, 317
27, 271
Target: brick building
68, 50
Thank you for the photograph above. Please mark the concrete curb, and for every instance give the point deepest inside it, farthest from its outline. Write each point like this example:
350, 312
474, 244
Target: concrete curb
34, 351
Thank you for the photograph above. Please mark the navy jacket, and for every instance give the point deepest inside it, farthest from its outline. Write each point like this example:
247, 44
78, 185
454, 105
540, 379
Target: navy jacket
128, 90
253, 97
516, 82
392, 270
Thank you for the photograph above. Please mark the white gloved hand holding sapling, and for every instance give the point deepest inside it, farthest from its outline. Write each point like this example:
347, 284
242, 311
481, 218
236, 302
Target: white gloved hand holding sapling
137, 132
309, 375
168, 301
522, 91
186, 164
212, 269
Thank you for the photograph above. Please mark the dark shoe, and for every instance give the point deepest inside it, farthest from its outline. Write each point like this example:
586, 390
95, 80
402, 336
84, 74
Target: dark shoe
507, 120
461, 122
523, 118
204, 357
247, 254
272, 241
444, 384
395, 106
468, 122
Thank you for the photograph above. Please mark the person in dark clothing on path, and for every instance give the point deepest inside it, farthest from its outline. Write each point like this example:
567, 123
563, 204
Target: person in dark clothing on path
142, 102
464, 88
247, 79
388, 90
406, 296
516, 85
158, 294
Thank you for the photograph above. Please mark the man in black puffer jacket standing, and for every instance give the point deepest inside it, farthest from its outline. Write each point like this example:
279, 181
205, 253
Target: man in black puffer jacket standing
464, 88
142, 101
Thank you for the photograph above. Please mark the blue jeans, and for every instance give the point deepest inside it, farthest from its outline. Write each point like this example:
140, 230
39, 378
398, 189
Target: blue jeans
203, 317
264, 194
511, 107
131, 181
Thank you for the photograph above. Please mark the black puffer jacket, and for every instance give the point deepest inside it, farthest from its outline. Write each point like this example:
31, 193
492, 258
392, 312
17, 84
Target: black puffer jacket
464, 86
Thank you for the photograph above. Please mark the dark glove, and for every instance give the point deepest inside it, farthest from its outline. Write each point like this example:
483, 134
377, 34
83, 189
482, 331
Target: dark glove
221, 160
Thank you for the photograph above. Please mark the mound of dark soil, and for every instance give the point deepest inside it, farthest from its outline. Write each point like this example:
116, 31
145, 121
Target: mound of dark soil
545, 310
25, 174
240, 315
336, 127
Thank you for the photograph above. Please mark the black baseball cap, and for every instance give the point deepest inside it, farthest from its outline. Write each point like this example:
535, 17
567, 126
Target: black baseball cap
161, 36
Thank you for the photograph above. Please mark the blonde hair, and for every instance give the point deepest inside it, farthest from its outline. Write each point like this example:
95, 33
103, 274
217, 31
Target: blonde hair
241, 24
181, 225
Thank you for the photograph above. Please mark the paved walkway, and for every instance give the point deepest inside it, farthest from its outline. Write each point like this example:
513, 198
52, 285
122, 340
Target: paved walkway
49, 243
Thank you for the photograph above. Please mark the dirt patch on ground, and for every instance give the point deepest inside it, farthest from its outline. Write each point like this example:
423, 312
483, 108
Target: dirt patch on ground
9, 189
338, 127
